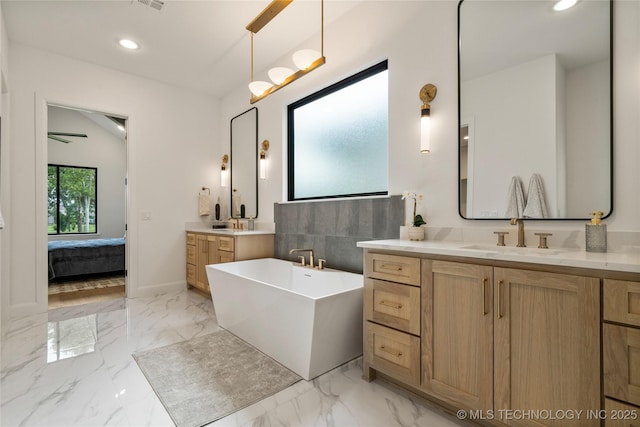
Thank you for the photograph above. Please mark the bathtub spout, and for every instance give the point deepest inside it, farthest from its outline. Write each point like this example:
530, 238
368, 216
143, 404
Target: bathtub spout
311, 264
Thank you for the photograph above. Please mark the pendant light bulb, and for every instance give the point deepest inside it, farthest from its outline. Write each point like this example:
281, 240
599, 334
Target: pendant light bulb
305, 57
564, 5
258, 87
279, 74
425, 133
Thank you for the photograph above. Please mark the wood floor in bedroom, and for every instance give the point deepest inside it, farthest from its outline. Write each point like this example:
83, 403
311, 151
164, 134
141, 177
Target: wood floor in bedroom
85, 296
86, 290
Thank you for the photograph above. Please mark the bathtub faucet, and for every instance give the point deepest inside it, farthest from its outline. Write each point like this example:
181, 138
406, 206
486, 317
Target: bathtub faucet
302, 257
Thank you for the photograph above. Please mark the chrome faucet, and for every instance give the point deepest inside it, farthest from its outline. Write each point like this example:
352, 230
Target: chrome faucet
520, 224
302, 257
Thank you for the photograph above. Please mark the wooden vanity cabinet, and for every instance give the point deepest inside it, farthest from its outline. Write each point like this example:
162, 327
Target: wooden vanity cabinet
510, 339
621, 351
546, 344
208, 248
622, 302
392, 317
620, 414
191, 259
457, 340
499, 339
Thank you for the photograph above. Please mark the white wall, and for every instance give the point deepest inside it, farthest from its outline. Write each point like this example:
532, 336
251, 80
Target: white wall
420, 41
172, 138
4, 172
102, 150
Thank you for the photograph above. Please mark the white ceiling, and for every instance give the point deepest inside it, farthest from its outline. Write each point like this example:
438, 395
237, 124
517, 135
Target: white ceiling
196, 44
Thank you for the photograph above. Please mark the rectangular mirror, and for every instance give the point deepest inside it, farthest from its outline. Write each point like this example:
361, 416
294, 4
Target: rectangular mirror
535, 100
244, 164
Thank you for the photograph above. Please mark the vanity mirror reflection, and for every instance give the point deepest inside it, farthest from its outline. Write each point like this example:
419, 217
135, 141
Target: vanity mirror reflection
535, 99
244, 164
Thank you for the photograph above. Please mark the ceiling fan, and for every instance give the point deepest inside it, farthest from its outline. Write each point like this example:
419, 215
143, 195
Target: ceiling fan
57, 136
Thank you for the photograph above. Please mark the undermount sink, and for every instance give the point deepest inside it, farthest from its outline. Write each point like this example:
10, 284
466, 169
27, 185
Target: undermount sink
512, 249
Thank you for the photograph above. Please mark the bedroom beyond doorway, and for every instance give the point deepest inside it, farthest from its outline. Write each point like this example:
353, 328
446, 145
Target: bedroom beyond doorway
86, 209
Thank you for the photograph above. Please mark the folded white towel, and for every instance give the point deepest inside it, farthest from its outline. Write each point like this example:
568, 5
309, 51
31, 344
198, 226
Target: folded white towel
536, 206
204, 204
515, 199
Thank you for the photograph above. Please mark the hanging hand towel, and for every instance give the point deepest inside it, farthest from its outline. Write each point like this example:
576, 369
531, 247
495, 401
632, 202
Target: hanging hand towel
536, 206
204, 204
1, 220
515, 199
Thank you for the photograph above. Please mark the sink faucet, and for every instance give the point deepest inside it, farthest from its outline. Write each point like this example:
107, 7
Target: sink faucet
520, 224
304, 250
236, 222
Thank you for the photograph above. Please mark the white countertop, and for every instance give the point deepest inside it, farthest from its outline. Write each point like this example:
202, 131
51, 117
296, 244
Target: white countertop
614, 261
228, 231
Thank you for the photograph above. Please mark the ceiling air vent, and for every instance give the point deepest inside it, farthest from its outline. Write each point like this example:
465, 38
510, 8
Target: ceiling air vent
154, 4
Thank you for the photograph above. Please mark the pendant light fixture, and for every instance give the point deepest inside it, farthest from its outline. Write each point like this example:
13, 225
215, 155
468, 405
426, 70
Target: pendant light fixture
305, 60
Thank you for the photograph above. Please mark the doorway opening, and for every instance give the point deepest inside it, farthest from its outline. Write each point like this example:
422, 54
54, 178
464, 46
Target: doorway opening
86, 206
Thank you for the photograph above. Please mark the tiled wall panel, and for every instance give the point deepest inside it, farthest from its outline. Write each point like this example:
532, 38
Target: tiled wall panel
333, 227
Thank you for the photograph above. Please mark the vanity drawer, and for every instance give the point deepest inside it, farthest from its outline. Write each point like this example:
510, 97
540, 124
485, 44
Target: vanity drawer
393, 268
393, 305
191, 254
622, 301
191, 274
395, 353
225, 257
621, 362
225, 243
621, 414
191, 239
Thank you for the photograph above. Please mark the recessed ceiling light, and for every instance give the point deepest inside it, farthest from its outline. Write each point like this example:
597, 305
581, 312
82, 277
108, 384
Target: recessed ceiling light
564, 5
128, 44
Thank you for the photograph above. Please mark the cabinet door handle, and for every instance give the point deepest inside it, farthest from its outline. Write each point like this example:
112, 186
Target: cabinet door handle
484, 296
395, 305
391, 267
500, 282
391, 352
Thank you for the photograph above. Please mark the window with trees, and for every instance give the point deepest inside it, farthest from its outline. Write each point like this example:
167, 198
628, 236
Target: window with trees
72, 194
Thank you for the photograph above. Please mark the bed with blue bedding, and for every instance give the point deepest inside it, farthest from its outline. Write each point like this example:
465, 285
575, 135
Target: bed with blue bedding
81, 257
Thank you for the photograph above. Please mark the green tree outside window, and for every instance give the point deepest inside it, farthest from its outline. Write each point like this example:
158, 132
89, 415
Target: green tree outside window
72, 199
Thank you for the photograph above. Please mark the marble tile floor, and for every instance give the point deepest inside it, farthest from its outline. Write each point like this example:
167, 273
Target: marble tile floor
73, 367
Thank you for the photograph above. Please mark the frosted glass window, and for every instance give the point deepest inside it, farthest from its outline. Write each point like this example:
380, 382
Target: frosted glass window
338, 139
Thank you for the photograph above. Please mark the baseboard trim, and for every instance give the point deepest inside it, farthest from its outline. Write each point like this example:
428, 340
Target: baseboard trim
159, 289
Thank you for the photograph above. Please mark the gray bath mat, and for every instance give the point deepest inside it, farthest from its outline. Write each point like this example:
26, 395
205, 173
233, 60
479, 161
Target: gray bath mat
204, 379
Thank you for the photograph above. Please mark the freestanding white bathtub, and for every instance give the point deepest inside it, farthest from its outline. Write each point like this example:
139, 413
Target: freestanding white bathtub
308, 320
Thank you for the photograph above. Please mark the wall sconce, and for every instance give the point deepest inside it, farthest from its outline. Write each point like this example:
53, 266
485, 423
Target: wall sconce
224, 173
306, 60
427, 94
263, 159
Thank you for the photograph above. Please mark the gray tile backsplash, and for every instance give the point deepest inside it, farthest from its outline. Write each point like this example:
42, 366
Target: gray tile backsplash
333, 227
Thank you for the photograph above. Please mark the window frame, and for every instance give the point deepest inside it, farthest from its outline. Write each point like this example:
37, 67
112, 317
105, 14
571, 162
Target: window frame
355, 78
57, 222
